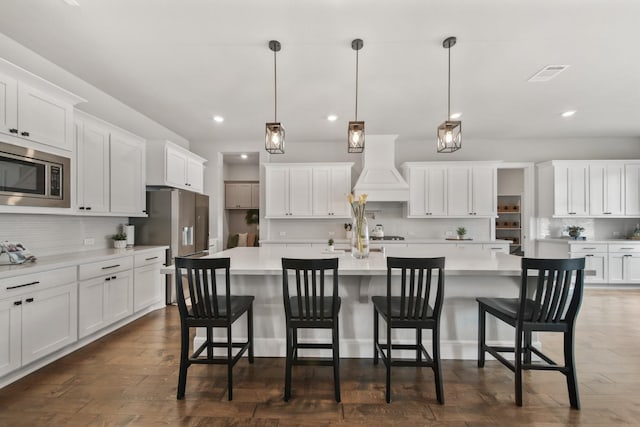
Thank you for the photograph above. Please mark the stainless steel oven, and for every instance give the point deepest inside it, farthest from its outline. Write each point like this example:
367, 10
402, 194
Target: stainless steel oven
33, 178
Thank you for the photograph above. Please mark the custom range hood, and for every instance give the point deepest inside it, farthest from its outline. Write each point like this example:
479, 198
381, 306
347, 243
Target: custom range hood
380, 179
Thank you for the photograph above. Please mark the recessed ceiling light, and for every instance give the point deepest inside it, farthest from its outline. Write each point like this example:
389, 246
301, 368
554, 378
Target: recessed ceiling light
455, 116
243, 156
568, 113
218, 119
72, 2
332, 117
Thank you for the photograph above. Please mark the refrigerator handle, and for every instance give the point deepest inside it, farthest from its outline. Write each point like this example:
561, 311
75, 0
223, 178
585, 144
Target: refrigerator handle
191, 235
185, 236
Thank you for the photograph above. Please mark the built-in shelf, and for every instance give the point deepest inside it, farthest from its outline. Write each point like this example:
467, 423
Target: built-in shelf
508, 223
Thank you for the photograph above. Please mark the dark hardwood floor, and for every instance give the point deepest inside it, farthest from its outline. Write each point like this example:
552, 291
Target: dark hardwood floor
130, 378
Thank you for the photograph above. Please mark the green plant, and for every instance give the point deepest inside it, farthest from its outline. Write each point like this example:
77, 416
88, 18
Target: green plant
461, 231
120, 236
330, 242
574, 230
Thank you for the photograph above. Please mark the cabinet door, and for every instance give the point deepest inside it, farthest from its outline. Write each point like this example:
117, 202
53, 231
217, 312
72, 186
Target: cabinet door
119, 296
44, 118
8, 105
10, 340
277, 192
93, 167
49, 321
127, 175
459, 191
597, 264
418, 205
571, 191
195, 175
255, 196
631, 266
436, 191
632, 189
300, 191
484, 188
616, 267
91, 308
339, 188
176, 168
606, 190
237, 195
321, 191
147, 286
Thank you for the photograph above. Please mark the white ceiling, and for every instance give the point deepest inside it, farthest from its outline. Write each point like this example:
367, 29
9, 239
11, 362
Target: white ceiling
181, 61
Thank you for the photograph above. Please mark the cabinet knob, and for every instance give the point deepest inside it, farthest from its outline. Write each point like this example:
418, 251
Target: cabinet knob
28, 300
81, 208
24, 133
88, 208
17, 303
13, 130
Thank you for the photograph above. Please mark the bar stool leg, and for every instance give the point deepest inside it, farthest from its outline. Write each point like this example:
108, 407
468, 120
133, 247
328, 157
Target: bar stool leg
569, 363
287, 374
375, 336
518, 366
229, 362
184, 362
437, 366
388, 360
250, 332
336, 360
481, 335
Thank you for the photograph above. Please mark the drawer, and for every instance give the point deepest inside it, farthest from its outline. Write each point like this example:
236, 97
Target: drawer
100, 268
148, 258
36, 281
625, 248
588, 248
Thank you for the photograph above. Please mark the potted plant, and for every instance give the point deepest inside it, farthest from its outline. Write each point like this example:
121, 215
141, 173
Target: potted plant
120, 240
461, 232
574, 231
330, 243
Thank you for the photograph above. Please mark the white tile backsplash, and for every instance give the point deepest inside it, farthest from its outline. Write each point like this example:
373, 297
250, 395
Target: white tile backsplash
51, 234
595, 228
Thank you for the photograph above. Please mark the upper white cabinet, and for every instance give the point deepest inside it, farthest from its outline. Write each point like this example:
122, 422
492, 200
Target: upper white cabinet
596, 188
307, 190
170, 165
34, 109
110, 169
427, 191
445, 189
606, 189
242, 195
331, 186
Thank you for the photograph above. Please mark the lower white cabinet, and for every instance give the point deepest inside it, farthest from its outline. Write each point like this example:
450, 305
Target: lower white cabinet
596, 261
105, 294
38, 315
147, 281
624, 263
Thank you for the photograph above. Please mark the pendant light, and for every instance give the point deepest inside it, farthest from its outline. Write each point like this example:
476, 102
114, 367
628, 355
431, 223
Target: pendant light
449, 132
274, 135
355, 134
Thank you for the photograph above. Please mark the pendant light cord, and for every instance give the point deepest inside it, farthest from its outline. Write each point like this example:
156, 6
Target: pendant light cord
449, 87
357, 52
275, 88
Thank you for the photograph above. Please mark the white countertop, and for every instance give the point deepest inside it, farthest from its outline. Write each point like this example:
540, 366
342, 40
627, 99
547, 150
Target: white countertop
582, 242
459, 261
410, 240
69, 259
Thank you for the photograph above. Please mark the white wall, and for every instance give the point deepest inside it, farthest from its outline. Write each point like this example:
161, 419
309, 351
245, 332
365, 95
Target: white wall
235, 172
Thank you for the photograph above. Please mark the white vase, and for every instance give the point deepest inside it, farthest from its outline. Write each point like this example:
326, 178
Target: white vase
119, 244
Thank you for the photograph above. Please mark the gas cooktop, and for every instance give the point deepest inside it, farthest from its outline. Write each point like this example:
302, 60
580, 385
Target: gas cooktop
387, 238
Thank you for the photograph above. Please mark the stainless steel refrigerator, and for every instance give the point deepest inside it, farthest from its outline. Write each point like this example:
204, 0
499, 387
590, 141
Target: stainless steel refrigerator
178, 219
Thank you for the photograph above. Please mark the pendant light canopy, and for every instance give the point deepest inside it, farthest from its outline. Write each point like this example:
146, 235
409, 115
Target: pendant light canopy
274, 134
355, 134
449, 132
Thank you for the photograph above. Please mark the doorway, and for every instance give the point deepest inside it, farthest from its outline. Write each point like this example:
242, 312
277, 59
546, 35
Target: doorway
516, 206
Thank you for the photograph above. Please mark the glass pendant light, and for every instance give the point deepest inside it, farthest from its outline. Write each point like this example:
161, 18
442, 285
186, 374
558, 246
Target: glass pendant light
355, 134
274, 134
449, 132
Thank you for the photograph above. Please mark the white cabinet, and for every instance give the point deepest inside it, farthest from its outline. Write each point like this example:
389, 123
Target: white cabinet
624, 263
288, 191
427, 191
606, 189
632, 189
331, 187
171, 165
92, 144
105, 294
34, 109
596, 261
147, 281
38, 315
563, 189
471, 190
241, 195
127, 155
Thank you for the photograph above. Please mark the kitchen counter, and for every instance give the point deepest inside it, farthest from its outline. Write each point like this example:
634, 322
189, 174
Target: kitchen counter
70, 259
410, 240
469, 274
581, 242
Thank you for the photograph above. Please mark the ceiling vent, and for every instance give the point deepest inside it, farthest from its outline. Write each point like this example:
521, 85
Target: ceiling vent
547, 73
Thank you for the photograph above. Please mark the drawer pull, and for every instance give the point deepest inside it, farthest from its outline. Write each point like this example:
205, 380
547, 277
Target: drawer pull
627, 255
28, 300
17, 303
107, 279
111, 266
22, 286
588, 255
114, 277
149, 259
593, 249
626, 249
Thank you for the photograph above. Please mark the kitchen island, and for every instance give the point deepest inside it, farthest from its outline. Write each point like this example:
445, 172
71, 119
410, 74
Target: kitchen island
469, 273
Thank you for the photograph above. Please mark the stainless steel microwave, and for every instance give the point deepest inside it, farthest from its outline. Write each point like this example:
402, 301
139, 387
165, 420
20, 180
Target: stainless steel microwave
33, 178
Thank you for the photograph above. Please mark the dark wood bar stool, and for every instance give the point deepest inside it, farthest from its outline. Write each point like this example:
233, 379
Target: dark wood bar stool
309, 304
550, 306
412, 302
203, 305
